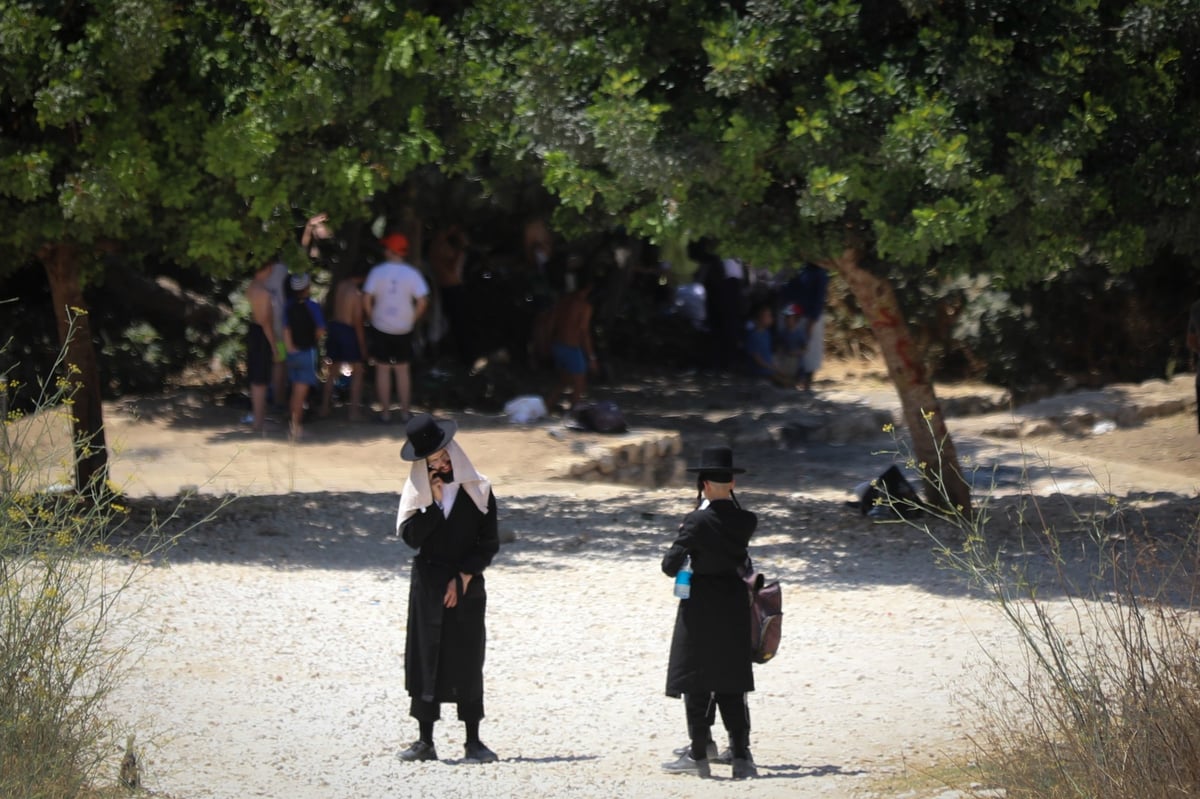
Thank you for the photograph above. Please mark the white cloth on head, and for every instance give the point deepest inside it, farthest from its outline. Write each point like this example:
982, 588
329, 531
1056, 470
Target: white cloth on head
417, 494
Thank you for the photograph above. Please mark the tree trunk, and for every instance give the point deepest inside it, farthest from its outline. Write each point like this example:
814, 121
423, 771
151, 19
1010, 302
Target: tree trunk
943, 478
61, 262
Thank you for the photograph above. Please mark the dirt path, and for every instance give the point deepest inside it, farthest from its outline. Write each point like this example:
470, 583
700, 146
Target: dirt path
274, 635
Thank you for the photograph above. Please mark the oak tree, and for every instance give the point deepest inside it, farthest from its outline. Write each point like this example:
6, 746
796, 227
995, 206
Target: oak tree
198, 133
894, 142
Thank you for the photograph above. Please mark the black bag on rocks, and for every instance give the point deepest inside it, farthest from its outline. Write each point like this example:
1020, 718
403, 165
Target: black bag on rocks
600, 417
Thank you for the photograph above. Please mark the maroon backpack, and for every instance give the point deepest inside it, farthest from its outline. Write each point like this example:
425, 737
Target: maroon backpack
766, 616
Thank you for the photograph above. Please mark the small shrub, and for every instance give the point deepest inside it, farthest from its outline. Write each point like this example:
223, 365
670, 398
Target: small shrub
65, 560
1105, 698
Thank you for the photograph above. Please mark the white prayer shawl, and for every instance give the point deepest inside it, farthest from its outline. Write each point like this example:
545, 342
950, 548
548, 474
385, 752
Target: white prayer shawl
417, 494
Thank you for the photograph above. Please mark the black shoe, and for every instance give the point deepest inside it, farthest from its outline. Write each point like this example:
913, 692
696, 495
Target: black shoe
420, 750
744, 767
686, 764
711, 751
477, 752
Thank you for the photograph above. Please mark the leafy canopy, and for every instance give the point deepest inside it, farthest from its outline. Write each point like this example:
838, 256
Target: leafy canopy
1008, 137
202, 130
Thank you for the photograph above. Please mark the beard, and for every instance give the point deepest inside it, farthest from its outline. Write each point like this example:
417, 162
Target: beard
446, 476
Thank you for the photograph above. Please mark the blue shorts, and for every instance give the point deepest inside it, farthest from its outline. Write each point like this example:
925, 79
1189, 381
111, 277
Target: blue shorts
341, 344
569, 359
302, 367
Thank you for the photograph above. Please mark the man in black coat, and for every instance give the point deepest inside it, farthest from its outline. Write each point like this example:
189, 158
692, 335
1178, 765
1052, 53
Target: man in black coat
710, 650
448, 514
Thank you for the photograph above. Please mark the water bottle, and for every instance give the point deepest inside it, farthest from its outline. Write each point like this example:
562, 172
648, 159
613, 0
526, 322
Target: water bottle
683, 580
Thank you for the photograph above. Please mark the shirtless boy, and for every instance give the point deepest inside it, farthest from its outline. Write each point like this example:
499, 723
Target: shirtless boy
571, 343
346, 345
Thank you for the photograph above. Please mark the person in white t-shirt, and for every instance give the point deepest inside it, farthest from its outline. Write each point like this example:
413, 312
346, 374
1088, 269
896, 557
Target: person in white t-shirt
395, 297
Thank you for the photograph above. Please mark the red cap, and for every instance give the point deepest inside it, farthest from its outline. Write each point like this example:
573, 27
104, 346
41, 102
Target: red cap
395, 242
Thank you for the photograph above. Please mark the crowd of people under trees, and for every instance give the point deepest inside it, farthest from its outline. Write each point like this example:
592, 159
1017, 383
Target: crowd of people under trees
381, 314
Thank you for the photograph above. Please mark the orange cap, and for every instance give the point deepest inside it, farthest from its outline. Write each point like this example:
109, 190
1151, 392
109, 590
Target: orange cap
395, 242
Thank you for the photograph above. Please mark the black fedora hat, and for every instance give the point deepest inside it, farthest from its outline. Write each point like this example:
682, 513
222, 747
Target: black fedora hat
716, 460
426, 436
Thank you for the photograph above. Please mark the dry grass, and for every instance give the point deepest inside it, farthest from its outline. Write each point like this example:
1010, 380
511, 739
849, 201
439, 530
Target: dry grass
66, 559
1104, 700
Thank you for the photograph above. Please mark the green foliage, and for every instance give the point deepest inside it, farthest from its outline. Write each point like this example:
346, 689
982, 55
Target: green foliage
1002, 139
941, 139
196, 129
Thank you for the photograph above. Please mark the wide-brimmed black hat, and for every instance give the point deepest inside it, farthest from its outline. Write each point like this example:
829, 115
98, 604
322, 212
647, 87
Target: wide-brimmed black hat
717, 461
426, 436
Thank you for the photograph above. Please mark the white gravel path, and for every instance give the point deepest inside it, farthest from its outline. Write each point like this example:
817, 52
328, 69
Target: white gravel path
275, 640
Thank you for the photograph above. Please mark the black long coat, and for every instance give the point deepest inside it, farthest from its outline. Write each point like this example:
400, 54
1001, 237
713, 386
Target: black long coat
444, 647
710, 650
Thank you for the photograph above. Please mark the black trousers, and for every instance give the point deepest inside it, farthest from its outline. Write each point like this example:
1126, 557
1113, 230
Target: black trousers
470, 711
735, 716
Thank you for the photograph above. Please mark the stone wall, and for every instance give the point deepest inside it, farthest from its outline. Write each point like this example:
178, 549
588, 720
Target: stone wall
650, 457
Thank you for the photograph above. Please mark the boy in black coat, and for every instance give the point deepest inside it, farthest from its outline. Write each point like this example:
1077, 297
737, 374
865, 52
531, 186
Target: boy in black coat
710, 650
